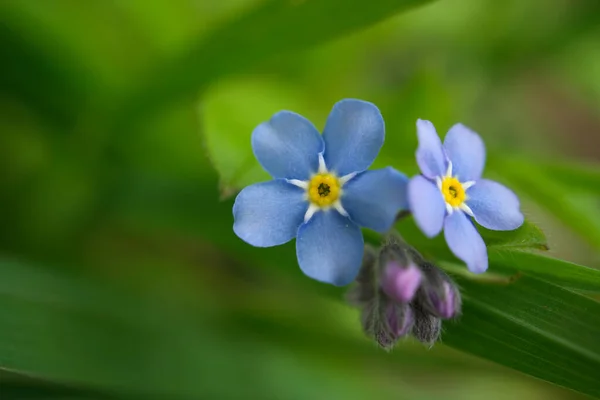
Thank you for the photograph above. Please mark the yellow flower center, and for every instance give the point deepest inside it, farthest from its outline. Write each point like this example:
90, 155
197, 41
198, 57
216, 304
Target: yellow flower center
324, 189
453, 191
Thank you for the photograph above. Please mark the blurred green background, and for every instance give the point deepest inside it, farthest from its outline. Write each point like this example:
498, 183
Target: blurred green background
125, 131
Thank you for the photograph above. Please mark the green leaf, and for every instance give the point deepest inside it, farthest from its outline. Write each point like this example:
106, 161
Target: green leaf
190, 333
273, 27
527, 236
561, 201
509, 253
38, 390
227, 139
82, 331
534, 327
558, 272
530, 325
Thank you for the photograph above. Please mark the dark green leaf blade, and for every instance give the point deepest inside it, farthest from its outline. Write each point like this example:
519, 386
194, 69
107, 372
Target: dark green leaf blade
527, 236
558, 272
509, 252
164, 344
534, 327
274, 27
528, 310
555, 197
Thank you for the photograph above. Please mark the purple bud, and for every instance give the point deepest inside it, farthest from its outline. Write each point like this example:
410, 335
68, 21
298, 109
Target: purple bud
400, 319
401, 283
375, 325
440, 295
385, 322
445, 305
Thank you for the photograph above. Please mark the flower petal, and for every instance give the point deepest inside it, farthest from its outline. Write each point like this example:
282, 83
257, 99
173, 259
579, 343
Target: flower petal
430, 155
494, 206
427, 205
269, 213
287, 146
401, 283
374, 198
466, 151
465, 242
330, 248
353, 135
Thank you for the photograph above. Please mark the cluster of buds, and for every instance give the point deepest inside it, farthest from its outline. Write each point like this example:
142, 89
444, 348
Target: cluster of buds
400, 294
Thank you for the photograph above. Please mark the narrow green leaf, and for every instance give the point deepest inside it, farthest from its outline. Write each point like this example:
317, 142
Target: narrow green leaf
528, 236
41, 391
534, 327
161, 343
552, 195
509, 252
559, 272
530, 325
274, 27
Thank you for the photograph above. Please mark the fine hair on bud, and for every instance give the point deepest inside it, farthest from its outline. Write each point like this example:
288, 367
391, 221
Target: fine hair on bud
400, 319
394, 249
427, 327
438, 294
399, 293
375, 325
364, 288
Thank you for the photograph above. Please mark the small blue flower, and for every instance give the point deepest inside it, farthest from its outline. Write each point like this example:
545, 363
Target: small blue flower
450, 190
321, 193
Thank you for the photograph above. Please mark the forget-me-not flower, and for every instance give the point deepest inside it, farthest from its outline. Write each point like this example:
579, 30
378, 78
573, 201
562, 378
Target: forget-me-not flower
450, 191
321, 192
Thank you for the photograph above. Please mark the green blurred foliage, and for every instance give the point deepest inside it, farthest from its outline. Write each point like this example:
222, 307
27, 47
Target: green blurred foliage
125, 131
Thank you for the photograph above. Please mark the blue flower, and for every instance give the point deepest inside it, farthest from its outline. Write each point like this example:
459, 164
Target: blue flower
321, 193
450, 191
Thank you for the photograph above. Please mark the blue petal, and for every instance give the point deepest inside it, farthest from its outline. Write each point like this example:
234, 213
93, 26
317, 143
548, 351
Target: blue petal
330, 248
427, 205
430, 155
466, 151
374, 198
494, 206
287, 146
465, 242
353, 135
269, 213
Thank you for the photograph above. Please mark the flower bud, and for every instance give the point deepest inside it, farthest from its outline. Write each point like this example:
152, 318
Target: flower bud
394, 250
448, 304
365, 274
439, 294
376, 327
400, 283
386, 322
363, 289
427, 327
400, 319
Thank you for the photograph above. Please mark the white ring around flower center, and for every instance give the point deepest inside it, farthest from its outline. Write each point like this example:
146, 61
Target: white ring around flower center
313, 207
464, 186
